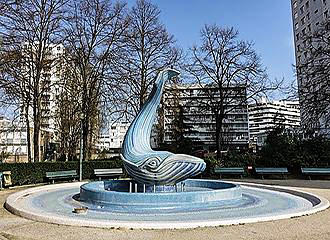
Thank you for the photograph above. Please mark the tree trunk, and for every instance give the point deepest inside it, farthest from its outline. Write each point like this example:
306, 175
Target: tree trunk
36, 141
36, 131
218, 139
85, 138
28, 136
28, 140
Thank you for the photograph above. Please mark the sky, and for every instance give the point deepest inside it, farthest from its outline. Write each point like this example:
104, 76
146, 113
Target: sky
267, 23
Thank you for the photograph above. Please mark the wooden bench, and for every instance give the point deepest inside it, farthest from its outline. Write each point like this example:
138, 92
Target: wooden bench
61, 175
315, 171
113, 172
230, 171
272, 171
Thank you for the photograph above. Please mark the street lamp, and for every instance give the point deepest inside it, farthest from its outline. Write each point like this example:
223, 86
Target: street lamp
82, 116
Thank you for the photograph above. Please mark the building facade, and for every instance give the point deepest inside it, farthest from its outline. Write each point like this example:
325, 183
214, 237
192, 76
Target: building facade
112, 140
50, 84
200, 120
265, 116
14, 143
308, 17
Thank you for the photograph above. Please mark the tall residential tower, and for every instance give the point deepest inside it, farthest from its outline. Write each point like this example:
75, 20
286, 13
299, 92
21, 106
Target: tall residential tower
308, 17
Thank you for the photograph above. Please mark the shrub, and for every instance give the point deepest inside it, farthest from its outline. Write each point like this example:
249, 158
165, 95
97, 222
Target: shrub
282, 150
235, 159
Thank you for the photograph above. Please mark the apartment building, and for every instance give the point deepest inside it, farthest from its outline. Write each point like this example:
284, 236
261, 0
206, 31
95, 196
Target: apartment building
114, 137
265, 116
12, 141
201, 121
308, 16
50, 84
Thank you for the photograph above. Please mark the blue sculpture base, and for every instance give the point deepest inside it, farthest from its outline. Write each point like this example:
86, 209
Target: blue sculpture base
130, 196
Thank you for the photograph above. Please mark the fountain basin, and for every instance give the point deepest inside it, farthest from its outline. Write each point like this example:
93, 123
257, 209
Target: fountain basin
189, 195
54, 204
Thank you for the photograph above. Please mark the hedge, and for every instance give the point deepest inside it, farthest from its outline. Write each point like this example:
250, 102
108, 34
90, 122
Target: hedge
28, 173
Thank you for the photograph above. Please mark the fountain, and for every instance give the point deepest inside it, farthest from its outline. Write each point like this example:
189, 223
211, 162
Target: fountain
161, 193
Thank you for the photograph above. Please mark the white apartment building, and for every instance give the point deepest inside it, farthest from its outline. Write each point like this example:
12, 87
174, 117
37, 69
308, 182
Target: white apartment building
201, 120
13, 140
114, 137
308, 16
265, 116
50, 85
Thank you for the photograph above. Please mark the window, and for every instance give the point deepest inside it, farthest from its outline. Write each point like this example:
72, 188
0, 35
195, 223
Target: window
303, 20
296, 26
297, 36
304, 31
326, 15
302, 10
298, 48
295, 4
295, 15
317, 23
309, 28
307, 4
316, 11
308, 16
324, 2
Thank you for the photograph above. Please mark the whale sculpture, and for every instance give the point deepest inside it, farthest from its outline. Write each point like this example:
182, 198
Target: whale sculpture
146, 165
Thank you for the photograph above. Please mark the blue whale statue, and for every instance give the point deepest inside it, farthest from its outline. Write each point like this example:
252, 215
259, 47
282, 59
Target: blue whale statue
146, 165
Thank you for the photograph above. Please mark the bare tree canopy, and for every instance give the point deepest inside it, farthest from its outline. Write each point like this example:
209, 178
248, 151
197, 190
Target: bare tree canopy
231, 68
27, 30
313, 69
91, 32
147, 48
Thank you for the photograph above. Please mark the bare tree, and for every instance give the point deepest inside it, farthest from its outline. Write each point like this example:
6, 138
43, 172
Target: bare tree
27, 30
67, 116
147, 48
313, 70
229, 73
92, 30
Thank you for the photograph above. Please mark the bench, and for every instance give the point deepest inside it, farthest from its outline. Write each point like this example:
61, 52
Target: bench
61, 174
315, 171
271, 171
230, 171
113, 172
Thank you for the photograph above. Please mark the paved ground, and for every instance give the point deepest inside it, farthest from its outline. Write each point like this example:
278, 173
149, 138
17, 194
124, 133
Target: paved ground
311, 227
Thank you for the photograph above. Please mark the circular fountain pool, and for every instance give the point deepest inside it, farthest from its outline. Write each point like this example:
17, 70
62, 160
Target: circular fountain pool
190, 195
202, 203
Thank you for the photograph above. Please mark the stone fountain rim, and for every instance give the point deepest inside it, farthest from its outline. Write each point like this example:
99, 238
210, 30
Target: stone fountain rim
14, 208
